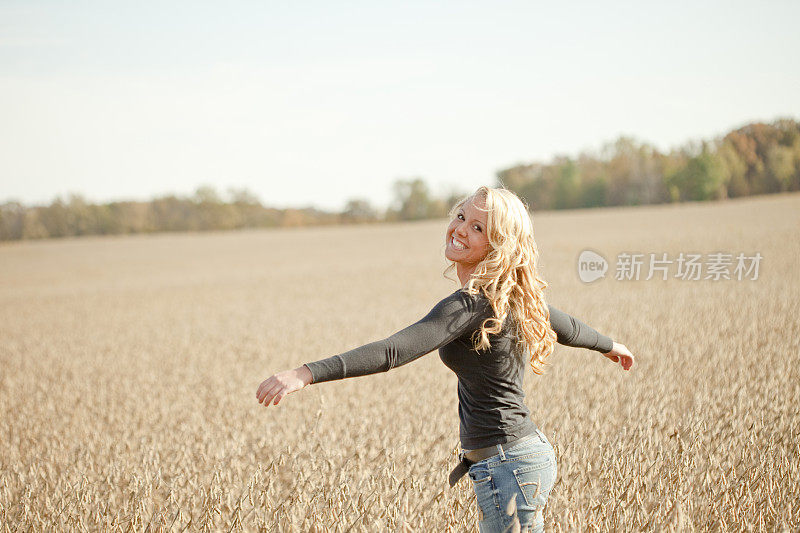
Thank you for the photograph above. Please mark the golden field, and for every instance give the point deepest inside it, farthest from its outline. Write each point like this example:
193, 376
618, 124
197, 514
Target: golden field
129, 366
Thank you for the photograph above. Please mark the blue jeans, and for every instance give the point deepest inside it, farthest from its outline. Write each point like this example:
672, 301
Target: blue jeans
526, 472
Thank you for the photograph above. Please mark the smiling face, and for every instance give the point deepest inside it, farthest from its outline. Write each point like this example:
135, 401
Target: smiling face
467, 242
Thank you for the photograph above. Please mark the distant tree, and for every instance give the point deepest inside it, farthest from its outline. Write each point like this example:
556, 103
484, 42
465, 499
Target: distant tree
12, 220
412, 199
55, 218
212, 213
593, 194
651, 175
795, 182
594, 181
293, 218
515, 178
170, 213
206, 194
623, 164
34, 228
735, 169
703, 177
520, 180
452, 198
247, 209
359, 210
780, 165
567, 187
243, 196
81, 217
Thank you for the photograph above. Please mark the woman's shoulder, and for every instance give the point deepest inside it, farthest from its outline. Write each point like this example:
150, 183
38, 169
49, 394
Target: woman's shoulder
473, 302
475, 295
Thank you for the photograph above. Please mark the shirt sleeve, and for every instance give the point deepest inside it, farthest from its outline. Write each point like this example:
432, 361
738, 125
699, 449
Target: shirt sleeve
449, 319
573, 332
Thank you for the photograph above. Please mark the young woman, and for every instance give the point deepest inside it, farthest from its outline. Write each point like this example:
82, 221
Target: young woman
484, 332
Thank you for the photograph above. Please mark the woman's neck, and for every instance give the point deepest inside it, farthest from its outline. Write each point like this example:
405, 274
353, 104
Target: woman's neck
464, 272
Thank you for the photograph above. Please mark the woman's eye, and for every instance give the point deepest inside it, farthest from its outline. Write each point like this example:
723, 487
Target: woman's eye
460, 216
477, 228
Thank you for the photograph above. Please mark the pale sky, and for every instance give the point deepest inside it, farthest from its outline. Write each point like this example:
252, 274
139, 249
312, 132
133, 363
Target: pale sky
313, 103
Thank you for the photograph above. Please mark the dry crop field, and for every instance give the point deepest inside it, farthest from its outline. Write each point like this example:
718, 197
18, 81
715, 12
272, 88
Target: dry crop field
129, 365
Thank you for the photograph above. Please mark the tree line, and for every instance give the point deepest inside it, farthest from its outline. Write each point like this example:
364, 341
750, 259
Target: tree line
755, 159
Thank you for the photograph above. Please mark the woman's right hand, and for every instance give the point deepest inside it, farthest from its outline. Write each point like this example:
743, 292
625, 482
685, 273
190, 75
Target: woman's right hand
279, 385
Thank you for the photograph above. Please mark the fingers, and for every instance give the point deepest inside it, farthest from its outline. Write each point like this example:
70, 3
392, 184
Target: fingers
625, 358
621, 355
279, 397
267, 390
272, 390
261, 390
276, 394
270, 393
612, 356
627, 362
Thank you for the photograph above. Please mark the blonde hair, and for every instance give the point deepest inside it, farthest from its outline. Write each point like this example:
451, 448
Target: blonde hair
508, 277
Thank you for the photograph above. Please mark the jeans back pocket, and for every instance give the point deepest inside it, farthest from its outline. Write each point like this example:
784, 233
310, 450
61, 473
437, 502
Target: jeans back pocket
537, 479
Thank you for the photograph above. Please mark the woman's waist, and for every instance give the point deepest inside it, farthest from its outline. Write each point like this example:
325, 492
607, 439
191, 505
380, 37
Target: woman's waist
533, 448
481, 436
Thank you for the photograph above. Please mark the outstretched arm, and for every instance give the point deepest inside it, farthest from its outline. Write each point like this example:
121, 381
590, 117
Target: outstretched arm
573, 332
449, 319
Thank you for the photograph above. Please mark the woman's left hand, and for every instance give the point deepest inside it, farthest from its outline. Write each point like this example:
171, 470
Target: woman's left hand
620, 354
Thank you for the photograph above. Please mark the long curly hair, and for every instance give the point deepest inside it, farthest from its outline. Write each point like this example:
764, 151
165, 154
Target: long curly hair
508, 277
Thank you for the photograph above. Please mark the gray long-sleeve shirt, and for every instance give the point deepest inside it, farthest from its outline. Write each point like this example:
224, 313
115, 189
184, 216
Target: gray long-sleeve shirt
491, 403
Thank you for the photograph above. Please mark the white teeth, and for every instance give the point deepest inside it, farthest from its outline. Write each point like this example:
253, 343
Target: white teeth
457, 245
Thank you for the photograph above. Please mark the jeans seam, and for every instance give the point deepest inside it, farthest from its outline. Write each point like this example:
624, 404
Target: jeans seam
482, 484
493, 488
